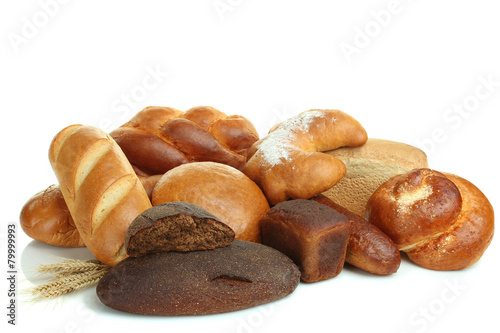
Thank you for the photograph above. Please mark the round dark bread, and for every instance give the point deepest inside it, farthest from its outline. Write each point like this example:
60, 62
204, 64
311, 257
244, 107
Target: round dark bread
241, 275
176, 226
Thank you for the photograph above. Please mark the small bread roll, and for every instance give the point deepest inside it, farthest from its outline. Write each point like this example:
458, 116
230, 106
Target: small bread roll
368, 167
219, 189
46, 218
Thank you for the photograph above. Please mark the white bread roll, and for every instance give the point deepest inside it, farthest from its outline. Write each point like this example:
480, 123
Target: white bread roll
368, 167
99, 186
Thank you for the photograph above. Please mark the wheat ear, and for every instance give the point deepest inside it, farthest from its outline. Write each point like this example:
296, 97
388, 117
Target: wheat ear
68, 276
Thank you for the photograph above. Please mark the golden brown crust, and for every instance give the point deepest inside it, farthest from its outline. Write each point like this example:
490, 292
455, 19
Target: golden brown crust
99, 186
288, 163
221, 190
442, 221
415, 206
158, 139
468, 238
150, 154
45, 217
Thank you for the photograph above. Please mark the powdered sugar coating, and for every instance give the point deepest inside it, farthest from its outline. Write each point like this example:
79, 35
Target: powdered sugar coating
276, 147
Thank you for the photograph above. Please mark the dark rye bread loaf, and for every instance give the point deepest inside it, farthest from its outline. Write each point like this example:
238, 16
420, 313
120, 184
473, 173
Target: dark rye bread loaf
176, 226
313, 235
241, 275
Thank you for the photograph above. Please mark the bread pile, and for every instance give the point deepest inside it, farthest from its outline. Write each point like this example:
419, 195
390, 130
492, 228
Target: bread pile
231, 221
191, 265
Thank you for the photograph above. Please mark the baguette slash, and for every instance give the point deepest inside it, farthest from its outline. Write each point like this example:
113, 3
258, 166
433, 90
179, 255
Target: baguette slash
100, 187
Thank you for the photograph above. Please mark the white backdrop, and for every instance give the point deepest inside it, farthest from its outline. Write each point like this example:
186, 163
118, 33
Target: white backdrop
421, 72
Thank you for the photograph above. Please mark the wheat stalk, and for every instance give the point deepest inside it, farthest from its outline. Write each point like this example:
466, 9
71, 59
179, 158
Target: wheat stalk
68, 276
71, 265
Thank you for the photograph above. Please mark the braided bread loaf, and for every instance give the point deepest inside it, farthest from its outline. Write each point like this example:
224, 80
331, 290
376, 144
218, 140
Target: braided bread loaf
158, 139
442, 221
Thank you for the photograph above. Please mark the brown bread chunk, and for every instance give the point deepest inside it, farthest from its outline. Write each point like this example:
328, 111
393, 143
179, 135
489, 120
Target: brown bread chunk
313, 235
241, 275
368, 248
176, 226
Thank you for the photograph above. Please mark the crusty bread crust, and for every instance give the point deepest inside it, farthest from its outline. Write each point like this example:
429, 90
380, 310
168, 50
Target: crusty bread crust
99, 186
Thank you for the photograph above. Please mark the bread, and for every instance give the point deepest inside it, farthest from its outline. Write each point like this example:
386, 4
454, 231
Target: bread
368, 167
313, 235
149, 182
288, 162
99, 186
46, 218
442, 221
368, 248
176, 226
219, 189
235, 277
158, 139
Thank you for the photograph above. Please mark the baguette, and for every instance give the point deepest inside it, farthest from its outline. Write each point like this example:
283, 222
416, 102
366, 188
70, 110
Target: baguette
99, 186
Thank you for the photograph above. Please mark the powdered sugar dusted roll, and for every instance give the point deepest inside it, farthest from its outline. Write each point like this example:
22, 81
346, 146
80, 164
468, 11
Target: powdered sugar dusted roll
288, 162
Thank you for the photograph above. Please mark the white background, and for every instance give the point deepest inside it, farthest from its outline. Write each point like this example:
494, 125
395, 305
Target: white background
404, 69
